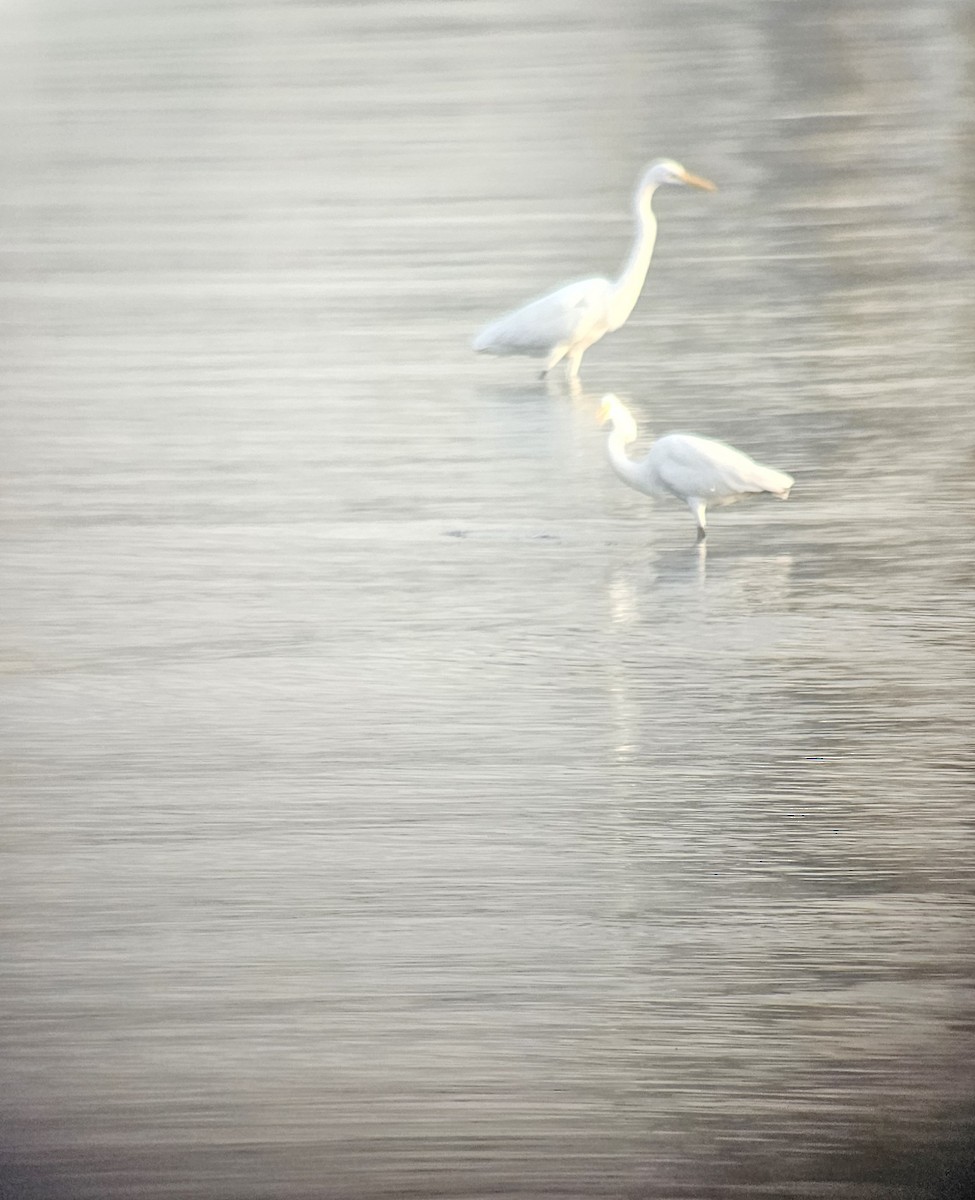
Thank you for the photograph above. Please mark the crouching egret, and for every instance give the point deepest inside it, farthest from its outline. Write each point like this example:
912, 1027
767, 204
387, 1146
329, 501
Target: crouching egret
701, 472
565, 323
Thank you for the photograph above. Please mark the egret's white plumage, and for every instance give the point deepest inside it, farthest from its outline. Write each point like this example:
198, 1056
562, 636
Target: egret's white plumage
701, 472
565, 323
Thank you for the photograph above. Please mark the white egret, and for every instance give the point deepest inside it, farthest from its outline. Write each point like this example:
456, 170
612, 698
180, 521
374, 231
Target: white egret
565, 323
701, 472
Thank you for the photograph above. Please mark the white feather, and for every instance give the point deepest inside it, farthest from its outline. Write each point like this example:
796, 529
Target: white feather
574, 313
683, 465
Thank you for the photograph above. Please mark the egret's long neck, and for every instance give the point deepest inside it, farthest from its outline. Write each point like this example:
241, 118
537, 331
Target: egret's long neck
627, 288
622, 464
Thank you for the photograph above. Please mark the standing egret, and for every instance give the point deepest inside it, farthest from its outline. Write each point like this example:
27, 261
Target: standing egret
701, 472
565, 323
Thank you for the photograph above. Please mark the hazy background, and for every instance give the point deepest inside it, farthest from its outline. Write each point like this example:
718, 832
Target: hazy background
396, 804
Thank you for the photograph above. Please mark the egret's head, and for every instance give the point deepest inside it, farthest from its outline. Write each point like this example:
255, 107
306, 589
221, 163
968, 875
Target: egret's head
665, 170
613, 409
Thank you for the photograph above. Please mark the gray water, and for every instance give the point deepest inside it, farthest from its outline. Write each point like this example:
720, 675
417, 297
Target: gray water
396, 804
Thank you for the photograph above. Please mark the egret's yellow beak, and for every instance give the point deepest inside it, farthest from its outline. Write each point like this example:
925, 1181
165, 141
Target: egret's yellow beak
605, 412
698, 181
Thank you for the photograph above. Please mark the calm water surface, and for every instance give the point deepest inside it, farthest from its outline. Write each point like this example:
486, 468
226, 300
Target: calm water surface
396, 804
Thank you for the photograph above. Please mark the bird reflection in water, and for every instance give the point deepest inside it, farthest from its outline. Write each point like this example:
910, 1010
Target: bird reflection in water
673, 607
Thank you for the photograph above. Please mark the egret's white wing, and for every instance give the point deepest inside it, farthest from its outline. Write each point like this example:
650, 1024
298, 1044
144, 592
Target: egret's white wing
685, 465
541, 325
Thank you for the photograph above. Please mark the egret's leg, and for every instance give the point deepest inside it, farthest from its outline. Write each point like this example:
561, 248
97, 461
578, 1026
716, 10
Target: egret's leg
555, 356
699, 510
572, 365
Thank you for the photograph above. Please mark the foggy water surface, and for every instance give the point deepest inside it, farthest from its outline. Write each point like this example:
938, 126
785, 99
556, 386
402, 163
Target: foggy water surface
396, 804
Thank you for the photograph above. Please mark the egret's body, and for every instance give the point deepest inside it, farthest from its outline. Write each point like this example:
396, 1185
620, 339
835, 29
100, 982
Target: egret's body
701, 472
565, 323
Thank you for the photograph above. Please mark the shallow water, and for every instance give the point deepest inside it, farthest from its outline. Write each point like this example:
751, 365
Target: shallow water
397, 804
